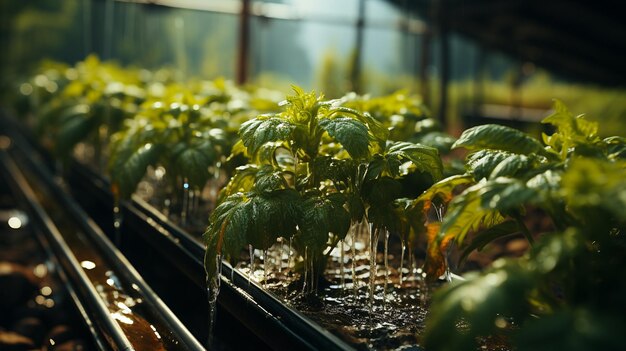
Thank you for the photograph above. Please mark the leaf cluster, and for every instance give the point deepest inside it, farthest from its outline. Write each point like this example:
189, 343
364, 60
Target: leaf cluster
82, 101
138, 118
405, 116
337, 163
511, 171
564, 293
187, 131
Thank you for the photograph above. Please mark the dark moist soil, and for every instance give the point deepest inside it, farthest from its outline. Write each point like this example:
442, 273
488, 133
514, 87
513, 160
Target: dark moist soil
395, 320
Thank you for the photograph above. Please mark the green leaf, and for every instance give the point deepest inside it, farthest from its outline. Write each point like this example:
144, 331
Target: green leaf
328, 168
546, 185
263, 129
439, 140
49, 114
227, 231
234, 219
193, 162
72, 130
350, 133
573, 134
589, 185
269, 179
242, 181
401, 158
274, 214
466, 214
482, 163
302, 107
129, 165
322, 215
512, 166
378, 131
570, 126
250, 219
556, 251
445, 187
391, 216
238, 149
381, 191
482, 205
355, 207
506, 194
425, 158
497, 137
442, 189
375, 168
268, 154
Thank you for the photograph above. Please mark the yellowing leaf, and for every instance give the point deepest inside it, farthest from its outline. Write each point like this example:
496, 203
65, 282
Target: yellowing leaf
436, 263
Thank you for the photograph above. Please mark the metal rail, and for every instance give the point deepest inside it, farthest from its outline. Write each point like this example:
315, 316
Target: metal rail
118, 261
115, 258
111, 331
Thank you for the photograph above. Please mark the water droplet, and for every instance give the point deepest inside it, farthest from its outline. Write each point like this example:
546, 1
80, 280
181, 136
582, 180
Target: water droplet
87, 265
15, 223
500, 322
40, 270
117, 218
121, 318
46, 291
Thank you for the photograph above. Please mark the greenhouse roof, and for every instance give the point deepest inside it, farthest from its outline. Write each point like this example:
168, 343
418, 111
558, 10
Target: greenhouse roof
578, 38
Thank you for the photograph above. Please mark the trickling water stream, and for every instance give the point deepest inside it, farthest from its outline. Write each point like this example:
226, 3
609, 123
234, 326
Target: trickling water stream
354, 230
374, 235
213, 290
184, 213
369, 311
